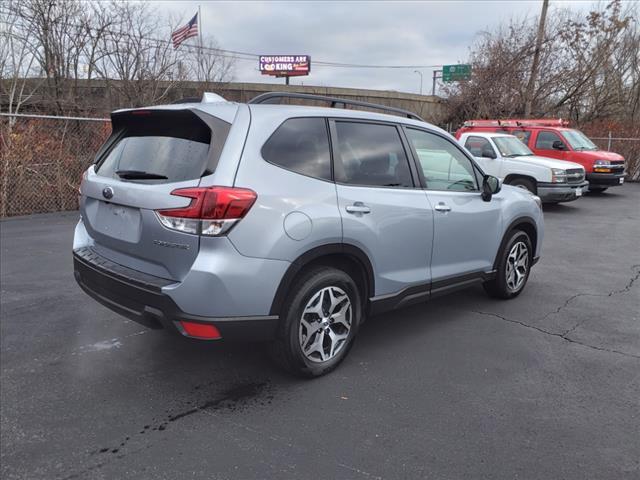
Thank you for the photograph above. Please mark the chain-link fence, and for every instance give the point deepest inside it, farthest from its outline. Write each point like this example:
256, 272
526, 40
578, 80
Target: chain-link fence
42, 159
628, 147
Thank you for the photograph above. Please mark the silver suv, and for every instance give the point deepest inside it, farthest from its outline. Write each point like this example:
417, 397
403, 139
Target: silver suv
291, 223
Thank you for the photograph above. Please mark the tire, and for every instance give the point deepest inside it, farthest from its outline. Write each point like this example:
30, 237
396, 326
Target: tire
509, 285
524, 183
597, 190
321, 288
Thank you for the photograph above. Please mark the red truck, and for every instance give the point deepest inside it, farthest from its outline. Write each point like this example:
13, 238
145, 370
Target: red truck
554, 139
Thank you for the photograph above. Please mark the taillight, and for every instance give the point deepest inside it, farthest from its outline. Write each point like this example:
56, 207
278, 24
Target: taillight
212, 211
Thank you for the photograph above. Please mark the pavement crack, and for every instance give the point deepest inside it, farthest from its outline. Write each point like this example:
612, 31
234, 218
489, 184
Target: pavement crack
518, 322
633, 279
563, 336
566, 303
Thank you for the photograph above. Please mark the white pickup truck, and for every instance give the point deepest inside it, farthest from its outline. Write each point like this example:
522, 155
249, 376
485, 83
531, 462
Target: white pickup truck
506, 157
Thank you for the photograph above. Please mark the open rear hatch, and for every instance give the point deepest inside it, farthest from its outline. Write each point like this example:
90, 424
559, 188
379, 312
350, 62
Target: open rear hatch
150, 154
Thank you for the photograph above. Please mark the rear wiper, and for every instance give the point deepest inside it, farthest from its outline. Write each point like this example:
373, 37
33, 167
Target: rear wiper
139, 175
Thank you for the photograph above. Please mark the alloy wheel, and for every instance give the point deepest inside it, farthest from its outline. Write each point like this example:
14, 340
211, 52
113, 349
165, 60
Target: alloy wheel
325, 324
517, 266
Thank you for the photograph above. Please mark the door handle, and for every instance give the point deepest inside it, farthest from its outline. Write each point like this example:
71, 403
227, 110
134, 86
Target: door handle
441, 207
357, 207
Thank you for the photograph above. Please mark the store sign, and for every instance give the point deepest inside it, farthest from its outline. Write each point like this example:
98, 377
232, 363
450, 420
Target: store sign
285, 65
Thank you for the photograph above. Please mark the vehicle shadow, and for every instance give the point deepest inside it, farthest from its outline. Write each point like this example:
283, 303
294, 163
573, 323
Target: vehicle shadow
609, 194
560, 207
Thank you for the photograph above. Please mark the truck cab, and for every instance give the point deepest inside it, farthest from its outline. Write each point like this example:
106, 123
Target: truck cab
504, 156
555, 139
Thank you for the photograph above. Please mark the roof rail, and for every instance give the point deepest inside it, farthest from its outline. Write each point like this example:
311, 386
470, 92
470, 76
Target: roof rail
267, 97
516, 122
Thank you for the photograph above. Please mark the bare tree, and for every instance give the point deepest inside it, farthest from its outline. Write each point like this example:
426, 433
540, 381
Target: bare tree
134, 66
211, 65
17, 63
122, 46
580, 59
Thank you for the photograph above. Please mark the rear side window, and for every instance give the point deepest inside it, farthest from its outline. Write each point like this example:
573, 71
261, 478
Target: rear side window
371, 154
301, 145
168, 146
522, 135
545, 140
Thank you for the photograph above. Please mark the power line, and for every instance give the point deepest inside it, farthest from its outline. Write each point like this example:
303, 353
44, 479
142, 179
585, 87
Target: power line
234, 54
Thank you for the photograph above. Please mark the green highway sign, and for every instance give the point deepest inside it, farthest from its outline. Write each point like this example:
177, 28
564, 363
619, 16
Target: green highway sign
455, 73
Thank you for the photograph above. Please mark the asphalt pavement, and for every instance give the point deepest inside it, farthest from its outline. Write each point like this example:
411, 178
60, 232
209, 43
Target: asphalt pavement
546, 386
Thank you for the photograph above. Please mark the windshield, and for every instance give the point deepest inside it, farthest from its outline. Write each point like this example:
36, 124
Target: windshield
578, 140
511, 147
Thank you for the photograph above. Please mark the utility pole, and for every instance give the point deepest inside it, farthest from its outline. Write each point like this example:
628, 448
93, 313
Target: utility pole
528, 105
419, 73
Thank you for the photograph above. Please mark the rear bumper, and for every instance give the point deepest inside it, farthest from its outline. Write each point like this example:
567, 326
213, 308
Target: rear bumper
605, 179
554, 192
139, 297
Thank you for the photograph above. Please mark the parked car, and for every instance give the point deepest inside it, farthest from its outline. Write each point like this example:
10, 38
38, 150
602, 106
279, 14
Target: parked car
554, 139
291, 223
507, 158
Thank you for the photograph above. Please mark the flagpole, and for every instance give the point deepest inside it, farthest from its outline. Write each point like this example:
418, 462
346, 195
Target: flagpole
200, 68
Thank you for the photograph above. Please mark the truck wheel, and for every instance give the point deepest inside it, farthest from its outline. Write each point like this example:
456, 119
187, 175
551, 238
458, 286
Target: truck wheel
514, 265
319, 323
597, 190
523, 183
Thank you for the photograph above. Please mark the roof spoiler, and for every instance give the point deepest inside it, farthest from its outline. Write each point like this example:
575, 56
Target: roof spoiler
207, 97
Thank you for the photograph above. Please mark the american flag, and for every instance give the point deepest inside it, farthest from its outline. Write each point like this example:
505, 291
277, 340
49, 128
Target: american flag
188, 31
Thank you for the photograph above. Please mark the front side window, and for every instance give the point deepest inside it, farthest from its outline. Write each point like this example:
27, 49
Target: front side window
545, 140
371, 154
479, 147
301, 145
444, 166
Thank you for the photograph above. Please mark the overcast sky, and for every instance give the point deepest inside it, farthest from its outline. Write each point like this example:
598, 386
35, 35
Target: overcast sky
363, 32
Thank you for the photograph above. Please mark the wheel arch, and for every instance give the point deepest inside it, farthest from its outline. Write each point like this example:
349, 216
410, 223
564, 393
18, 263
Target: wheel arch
525, 224
343, 256
514, 176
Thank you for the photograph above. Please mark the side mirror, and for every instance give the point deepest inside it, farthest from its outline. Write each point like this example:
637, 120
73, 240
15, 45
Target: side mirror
490, 186
558, 145
489, 153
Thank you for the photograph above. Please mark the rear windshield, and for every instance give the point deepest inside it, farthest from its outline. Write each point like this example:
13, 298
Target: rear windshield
162, 146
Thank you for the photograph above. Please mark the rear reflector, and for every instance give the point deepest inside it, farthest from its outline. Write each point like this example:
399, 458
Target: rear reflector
204, 331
